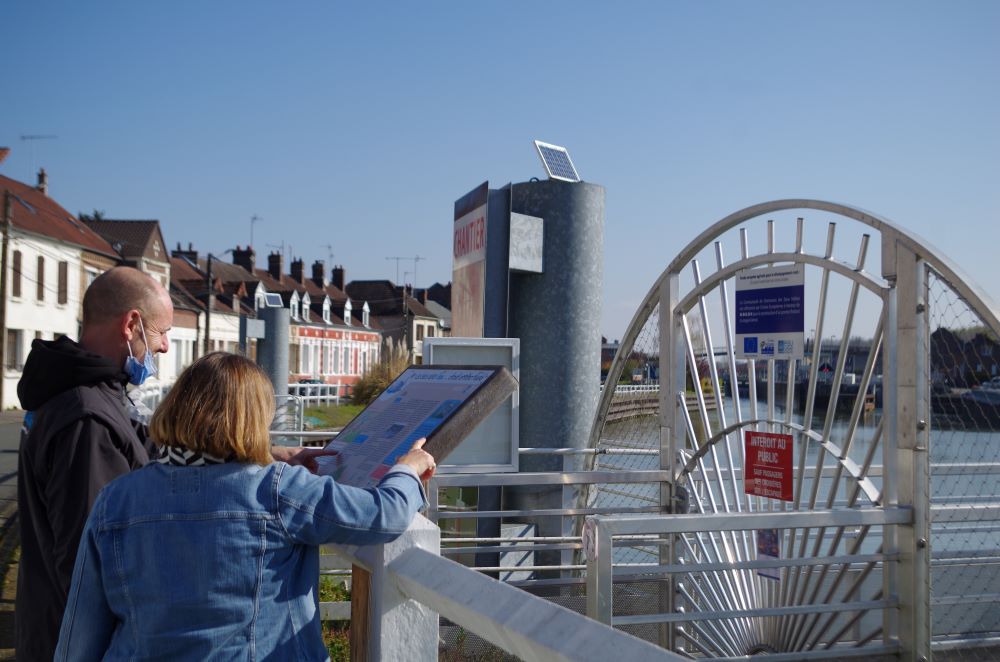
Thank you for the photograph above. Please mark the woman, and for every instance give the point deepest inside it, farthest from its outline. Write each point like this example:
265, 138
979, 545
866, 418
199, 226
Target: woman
212, 552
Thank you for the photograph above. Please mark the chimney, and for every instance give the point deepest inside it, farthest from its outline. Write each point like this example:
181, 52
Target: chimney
43, 181
298, 271
319, 275
337, 277
190, 253
245, 258
275, 265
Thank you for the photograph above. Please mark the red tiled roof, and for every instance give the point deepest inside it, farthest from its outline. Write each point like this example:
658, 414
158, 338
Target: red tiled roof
35, 212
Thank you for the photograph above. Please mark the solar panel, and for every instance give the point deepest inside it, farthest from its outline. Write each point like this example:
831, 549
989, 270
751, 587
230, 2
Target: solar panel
557, 162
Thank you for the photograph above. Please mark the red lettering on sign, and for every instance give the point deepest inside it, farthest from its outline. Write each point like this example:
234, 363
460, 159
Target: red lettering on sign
470, 237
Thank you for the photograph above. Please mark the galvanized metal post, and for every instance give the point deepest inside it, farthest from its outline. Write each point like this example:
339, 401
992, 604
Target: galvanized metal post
557, 314
272, 356
671, 428
906, 479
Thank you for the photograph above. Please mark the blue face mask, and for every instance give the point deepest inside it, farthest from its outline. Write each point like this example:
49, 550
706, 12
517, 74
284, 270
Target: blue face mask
140, 372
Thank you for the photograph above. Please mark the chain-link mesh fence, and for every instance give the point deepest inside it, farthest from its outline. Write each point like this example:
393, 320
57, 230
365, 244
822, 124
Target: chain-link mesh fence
964, 393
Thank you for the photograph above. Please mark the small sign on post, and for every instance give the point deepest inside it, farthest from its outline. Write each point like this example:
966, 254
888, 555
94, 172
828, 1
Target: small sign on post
768, 470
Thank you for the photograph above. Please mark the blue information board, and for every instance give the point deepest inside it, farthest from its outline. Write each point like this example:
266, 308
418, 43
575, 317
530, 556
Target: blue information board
769, 312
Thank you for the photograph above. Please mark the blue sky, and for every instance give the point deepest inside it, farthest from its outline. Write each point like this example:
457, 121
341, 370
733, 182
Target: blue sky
357, 126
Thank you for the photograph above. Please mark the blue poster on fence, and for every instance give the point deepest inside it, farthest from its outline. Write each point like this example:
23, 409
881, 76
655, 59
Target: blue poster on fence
769, 315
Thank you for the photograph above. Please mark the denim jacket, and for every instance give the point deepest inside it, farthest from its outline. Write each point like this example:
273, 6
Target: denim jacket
218, 561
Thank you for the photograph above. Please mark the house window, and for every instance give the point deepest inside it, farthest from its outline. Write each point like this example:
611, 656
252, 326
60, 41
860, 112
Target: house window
16, 280
326, 311
12, 360
430, 332
364, 317
347, 361
40, 281
63, 295
336, 360
347, 313
295, 309
420, 331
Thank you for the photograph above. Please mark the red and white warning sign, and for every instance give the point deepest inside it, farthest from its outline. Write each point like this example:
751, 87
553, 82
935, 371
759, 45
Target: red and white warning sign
768, 465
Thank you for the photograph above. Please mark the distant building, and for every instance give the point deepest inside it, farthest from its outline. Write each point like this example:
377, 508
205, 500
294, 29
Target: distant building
331, 338
51, 259
403, 317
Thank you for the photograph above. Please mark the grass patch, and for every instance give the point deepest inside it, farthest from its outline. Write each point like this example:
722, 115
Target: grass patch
331, 416
336, 635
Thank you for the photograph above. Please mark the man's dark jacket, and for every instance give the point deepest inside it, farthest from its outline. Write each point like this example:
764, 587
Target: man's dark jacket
80, 439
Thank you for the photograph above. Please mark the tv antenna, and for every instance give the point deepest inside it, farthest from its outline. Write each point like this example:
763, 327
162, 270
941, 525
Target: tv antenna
253, 219
415, 258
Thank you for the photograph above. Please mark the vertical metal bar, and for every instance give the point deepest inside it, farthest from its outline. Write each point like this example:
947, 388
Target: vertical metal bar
671, 381
751, 364
600, 585
910, 376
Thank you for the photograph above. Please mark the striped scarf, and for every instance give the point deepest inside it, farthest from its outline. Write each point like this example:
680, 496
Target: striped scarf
179, 456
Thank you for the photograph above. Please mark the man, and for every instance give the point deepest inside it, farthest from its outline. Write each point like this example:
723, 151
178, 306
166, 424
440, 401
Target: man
81, 437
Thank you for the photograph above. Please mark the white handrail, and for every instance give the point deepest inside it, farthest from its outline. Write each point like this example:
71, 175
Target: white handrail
411, 584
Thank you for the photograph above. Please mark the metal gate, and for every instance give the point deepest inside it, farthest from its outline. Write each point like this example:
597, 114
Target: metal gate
895, 544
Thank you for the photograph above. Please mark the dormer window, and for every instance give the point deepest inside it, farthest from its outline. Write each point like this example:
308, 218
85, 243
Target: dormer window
364, 315
347, 312
326, 310
294, 306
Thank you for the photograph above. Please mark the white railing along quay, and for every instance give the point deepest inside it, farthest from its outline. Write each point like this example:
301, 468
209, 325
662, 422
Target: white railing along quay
317, 394
395, 616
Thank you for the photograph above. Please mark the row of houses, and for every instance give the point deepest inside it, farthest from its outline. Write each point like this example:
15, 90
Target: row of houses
337, 328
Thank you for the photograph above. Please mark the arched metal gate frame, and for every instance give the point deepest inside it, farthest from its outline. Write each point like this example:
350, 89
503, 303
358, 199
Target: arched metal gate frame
874, 585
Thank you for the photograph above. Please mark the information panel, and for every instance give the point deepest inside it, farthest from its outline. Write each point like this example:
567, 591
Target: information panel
441, 404
769, 315
768, 470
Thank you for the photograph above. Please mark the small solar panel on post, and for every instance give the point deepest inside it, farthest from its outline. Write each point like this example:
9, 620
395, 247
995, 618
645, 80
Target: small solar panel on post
557, 162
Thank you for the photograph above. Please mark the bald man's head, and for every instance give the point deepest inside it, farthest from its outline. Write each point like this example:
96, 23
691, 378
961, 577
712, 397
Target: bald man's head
115, 292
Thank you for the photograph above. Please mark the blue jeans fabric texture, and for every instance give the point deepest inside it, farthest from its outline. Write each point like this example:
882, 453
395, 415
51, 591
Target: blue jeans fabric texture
219, 561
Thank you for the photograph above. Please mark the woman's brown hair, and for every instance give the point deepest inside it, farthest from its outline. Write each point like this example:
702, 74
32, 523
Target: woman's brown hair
222, 404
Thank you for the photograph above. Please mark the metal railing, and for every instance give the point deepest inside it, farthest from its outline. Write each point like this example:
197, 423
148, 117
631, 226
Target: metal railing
750, 625
404, 585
